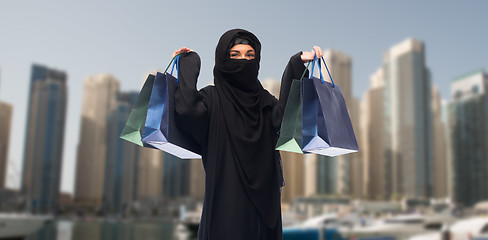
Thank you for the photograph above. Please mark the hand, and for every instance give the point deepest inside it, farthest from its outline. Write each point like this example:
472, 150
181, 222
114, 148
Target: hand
308, 56
181, 50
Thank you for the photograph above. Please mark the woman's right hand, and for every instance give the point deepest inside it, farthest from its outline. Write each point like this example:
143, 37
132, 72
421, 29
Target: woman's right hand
182, 50
309, 56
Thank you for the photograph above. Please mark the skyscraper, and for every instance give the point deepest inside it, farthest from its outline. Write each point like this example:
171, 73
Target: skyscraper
121, 167
376, 169
272, 86
150, 176
310, 172
468, 130
99, 97
294, 175
439, 144
44, 138
5, 124
176, 176
197, 179
355, 159
333, 174
408, 135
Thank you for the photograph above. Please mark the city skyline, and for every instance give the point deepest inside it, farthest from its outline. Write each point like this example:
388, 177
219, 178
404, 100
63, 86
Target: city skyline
445, 46
102, 89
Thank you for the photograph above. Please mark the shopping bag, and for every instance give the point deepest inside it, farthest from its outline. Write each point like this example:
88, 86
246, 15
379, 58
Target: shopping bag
137, 116
160, 130
291, 126
314, 128
327, 127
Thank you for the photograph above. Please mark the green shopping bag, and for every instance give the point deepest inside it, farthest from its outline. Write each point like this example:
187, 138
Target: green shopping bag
291, 134
137, 117
290, 139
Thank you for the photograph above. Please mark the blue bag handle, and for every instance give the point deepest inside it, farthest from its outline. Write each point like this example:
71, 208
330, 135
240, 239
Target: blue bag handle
175, 61
320, 69
322, 58
315, 60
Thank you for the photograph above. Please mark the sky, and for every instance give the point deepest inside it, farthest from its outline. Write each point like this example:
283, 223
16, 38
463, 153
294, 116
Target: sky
130, 38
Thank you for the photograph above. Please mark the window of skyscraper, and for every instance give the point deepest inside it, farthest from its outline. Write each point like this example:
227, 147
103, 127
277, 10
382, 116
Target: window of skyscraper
458, 94
475, 89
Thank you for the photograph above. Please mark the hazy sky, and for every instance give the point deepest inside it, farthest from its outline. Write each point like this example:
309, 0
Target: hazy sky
129, 38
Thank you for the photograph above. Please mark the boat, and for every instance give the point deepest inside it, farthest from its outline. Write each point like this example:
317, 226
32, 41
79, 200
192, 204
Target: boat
323, 227
19, 226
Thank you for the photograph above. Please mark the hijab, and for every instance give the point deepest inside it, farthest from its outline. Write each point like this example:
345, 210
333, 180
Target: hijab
243, 103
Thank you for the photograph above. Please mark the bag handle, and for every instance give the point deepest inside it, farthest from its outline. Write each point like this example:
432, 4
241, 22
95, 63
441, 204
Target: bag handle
175, 61
315, 60
322, 58
320, 69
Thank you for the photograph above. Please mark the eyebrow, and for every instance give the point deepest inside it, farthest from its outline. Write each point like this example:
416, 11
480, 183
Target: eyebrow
240, 51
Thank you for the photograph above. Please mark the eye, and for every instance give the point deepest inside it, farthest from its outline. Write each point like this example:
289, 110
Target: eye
250, 55
234, 55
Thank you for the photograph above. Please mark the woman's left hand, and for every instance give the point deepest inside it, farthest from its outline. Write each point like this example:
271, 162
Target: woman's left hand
308, 56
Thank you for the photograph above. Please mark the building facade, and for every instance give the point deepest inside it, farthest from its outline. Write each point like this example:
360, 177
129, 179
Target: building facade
99, 98
44, 139
440, 177
5, 125
408, 135
121, 167
377, 171
176, 177
468, 134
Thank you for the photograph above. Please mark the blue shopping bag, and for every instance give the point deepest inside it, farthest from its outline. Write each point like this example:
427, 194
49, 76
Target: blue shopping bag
327, 128
160, 130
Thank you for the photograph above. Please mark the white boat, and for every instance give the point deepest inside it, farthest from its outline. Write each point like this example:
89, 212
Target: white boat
465, 229
469, 228
14, 226
402, 227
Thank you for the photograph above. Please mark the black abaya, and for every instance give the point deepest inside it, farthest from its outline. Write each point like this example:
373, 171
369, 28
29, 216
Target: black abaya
236, 123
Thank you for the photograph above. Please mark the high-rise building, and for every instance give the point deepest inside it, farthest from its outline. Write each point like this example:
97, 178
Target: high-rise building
176, 177
377, 170
272, 86
294, 175
333, 173
197, 179
5, 124
150, 176
99, 97
44, 138
439, 143
468, 134
121, 167
327, 175
310, 172
408, 135
355, 159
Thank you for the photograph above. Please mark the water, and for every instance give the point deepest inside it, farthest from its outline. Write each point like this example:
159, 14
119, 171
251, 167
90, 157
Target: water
110, 230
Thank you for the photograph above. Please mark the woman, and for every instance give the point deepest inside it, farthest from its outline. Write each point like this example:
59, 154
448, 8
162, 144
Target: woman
236, 123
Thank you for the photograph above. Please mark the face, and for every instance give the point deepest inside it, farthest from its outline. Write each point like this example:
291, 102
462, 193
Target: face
242, 51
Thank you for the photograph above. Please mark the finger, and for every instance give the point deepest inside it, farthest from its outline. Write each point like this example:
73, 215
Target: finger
319, 51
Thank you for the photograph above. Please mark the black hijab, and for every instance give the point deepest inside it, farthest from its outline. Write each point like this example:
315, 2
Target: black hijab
243, 102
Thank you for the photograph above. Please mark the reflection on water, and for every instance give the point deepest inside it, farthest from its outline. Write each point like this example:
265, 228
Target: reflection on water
106, 230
